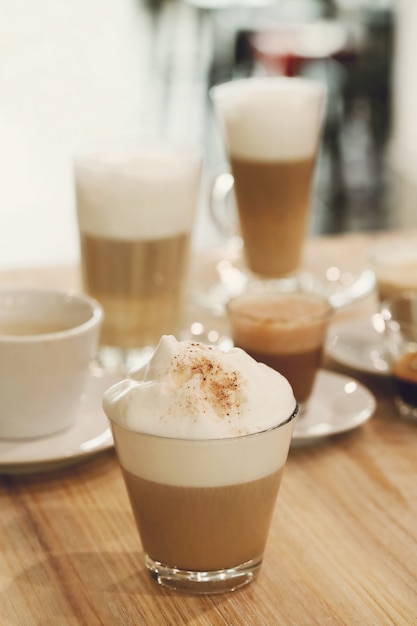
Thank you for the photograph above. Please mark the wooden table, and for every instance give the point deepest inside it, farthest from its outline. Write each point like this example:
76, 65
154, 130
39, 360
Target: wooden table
342, 547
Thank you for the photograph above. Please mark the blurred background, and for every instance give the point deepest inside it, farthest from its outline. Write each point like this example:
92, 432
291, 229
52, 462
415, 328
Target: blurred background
74, 72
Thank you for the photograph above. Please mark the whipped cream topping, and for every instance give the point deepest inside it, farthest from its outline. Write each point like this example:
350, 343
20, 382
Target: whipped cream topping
194, 391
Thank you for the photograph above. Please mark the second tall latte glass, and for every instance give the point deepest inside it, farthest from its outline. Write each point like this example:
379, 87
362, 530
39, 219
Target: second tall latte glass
136, 205
271, 127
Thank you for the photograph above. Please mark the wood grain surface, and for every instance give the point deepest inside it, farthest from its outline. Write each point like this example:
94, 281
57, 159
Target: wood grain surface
342, 547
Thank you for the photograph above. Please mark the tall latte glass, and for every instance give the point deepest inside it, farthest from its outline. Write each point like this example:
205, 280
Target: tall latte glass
271, 128
135, 207
202, 438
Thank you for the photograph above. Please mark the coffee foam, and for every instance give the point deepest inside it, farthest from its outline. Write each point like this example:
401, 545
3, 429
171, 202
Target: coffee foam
136, 195
202, 402
395, 253
270, 119
279, 324
203, 463
395, 264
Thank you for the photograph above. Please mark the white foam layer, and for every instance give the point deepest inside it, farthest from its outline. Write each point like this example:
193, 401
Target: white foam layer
194, 391
185, 419
395, 264
270, 119
137, 194
394, 253
211, 463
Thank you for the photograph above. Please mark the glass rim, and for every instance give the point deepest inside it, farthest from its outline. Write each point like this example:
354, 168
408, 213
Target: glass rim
94, 314
278, 83
324, 315
97, 153
210, 440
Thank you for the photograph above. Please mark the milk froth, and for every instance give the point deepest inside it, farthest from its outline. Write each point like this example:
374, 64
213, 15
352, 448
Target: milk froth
137, 195
270, 119
196, 403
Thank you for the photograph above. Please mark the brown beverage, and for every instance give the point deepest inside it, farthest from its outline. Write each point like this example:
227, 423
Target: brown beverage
16, 328
202, 437
405, 373
271, 127
273, 199
285, 331
188, 526
135, 206
140, 285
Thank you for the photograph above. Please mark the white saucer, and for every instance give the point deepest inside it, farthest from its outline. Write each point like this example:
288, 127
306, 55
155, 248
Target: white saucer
358, 345
220, 273
338, 404
89, 435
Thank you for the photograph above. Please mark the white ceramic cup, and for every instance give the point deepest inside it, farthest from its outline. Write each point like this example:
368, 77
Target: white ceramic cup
48, 338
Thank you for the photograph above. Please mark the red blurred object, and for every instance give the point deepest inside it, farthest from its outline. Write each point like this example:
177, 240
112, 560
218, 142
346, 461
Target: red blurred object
285, 48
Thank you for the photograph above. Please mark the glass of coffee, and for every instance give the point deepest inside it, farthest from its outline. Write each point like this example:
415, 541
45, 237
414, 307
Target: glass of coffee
286, 331
394, 262
400, 338
136, 204
271, 127
202, 437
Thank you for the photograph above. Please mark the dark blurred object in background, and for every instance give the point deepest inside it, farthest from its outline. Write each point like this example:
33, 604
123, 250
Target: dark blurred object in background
352, 52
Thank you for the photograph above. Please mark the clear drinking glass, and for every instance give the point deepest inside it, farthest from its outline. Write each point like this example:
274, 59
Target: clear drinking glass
400, 338
394, 262
203, 507
271, 128
136, 204
286, 331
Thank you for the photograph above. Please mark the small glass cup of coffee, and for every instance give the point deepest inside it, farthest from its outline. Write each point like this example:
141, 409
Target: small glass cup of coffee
202, 437
203, 507
400, 340
285, 330
394, 262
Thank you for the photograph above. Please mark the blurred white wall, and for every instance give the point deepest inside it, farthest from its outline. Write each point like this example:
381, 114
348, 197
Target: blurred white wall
73, 72
66, 77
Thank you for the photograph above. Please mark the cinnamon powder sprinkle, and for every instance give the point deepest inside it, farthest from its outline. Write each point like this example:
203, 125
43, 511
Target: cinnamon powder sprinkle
222, 388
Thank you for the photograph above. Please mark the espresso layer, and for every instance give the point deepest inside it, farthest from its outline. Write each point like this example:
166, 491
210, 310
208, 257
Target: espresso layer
273, 202
203, 529
139, 284
405, 374
299, 368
